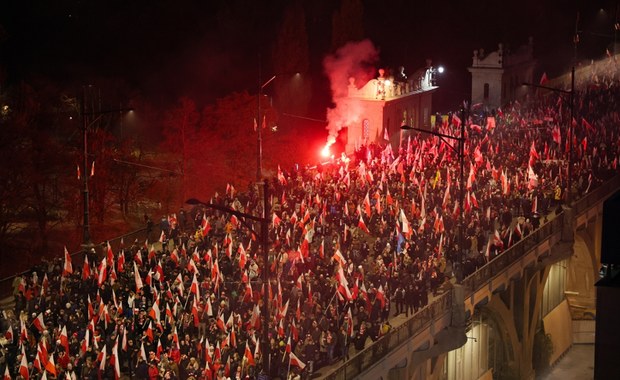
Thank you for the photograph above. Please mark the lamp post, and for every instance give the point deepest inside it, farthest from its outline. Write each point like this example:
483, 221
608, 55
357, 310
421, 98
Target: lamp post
259, 127
569, 138
86, 238
460, 150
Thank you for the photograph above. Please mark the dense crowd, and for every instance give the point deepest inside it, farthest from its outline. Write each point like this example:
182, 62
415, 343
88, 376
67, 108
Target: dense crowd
353, 242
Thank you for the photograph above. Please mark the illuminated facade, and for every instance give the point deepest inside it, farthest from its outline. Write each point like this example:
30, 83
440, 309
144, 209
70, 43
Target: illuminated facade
497, 77
383, 105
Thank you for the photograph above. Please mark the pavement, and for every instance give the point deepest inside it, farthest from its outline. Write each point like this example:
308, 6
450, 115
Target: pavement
576, 364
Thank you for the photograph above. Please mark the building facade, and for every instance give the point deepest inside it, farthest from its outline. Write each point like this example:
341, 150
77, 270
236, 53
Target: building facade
384, 105
497, 77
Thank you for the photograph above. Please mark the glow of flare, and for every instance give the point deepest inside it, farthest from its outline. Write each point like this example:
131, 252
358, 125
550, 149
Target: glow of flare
325, 151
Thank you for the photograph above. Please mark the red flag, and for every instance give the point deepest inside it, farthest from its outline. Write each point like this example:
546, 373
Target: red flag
7, 375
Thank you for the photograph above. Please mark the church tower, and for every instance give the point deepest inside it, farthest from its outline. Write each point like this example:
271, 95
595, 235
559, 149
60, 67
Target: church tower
497, 77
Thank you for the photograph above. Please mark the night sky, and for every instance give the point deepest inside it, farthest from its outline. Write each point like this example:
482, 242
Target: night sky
206, 49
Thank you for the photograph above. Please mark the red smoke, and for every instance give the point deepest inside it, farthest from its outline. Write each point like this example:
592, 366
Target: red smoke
353, 60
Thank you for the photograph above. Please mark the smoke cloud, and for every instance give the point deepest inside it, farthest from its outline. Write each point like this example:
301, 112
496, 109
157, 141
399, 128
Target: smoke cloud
353, 60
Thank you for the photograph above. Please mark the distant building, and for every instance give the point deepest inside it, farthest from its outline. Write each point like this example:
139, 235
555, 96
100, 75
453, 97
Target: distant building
383, 104
497, 77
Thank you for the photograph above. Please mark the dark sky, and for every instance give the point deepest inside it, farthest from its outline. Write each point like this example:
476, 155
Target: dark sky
207, 48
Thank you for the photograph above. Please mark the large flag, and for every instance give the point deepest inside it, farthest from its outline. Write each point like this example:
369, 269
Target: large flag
294, 360
39, 323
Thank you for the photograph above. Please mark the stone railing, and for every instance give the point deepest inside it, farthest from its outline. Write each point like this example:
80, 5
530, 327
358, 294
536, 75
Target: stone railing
374, 353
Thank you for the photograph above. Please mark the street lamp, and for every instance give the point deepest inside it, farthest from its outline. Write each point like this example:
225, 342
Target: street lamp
264, 241
259, 127
569, 141
86, 239
460, 151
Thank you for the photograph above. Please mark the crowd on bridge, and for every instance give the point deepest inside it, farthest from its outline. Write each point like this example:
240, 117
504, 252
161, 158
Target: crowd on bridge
353, 242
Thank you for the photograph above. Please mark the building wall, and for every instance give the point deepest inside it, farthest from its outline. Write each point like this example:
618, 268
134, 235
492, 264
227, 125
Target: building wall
492, 78
497, 77
413, 109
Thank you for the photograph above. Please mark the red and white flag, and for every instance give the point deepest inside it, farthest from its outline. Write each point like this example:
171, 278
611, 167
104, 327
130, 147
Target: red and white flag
68, 267
39, 323
23, 366
294, 360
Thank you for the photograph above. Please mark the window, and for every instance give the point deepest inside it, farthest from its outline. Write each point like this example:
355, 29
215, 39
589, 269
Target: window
486, 91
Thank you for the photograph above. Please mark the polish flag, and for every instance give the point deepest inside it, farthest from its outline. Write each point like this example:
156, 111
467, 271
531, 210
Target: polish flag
64, 339
294, 360
248, 354
362, 225
85, 269
195, 312
102, 271
68, 267
7, 375
275, 220
120, 264
288, 347
339, 258
51, 366
39, 323
137, 278
101, 358
23, 366
115, 361
367, 205
381, 296
85, 342
195, 287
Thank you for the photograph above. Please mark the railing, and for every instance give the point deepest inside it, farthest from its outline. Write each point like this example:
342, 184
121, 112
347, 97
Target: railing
77, 258
512, 254
368, 357
372, 354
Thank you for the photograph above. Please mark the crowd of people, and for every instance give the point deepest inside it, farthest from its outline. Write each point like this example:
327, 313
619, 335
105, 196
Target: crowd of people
352, 242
